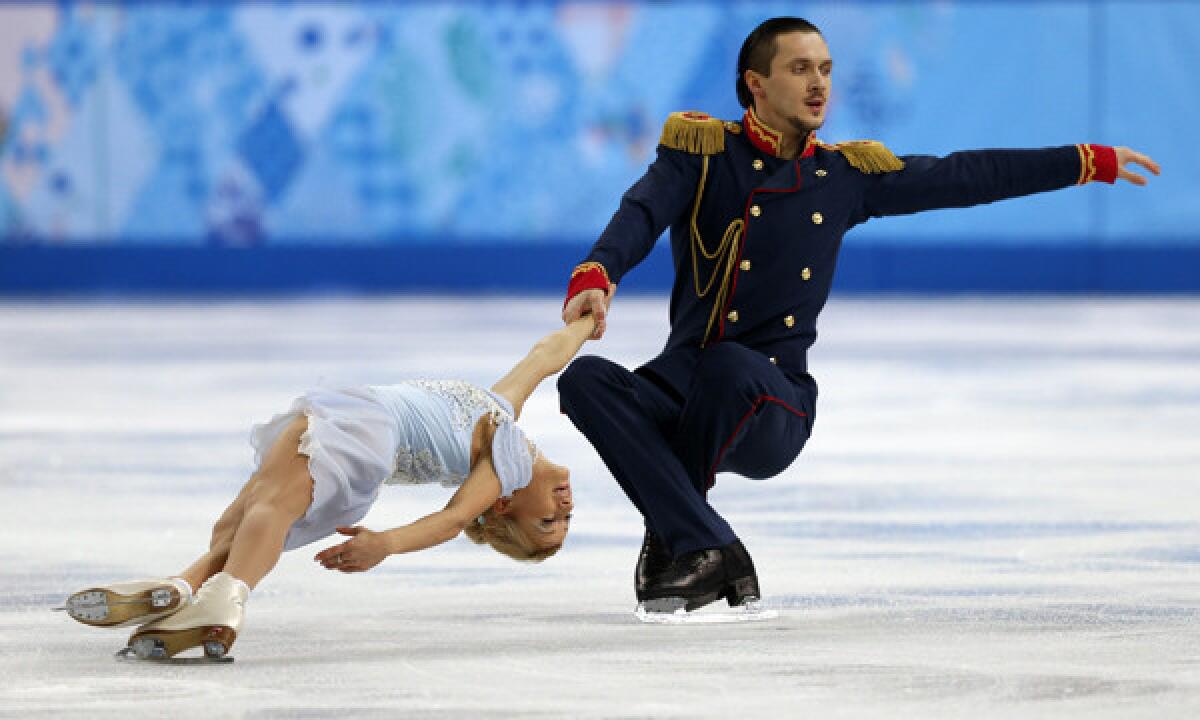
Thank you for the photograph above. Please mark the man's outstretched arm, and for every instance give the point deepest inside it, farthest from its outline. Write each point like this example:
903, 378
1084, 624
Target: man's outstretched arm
975, 177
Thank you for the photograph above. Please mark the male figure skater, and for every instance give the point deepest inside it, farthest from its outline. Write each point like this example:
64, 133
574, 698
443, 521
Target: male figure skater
757, 211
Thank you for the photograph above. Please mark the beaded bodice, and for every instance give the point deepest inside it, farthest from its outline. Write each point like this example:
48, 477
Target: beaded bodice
466, 401
435, 422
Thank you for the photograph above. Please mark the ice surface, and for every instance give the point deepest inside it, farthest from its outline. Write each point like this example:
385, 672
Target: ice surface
997, 516
716, 613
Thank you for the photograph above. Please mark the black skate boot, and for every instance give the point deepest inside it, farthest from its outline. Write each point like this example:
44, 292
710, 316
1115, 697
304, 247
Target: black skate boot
742, 581
702, 577
653, 561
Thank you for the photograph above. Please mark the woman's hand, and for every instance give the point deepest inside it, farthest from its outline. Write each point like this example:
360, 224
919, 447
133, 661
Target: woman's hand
364, 550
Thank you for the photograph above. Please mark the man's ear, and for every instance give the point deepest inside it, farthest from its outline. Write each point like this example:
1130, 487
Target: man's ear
754, 83
502, 506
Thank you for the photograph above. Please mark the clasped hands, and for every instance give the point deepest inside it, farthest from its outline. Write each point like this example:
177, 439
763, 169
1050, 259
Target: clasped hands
594, 302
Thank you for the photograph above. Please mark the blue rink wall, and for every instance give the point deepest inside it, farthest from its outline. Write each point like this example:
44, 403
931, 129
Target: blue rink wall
449, 147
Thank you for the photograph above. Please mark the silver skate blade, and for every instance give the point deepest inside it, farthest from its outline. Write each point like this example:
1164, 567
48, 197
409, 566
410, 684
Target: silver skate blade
127, 655
658, 612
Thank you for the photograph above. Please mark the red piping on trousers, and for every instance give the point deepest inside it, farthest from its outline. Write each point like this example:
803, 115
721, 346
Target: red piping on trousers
712, 475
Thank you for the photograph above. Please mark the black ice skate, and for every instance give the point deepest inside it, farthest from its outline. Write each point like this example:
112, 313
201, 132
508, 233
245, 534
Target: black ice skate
653, 560
700, 578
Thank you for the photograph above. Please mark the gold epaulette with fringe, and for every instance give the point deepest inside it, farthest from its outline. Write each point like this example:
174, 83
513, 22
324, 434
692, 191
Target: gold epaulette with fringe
694, 132
867, 156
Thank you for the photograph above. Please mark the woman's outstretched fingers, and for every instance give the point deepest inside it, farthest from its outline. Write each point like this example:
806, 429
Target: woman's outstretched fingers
332, 557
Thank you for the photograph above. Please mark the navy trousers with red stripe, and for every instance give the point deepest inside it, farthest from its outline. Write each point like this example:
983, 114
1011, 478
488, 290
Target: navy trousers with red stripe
740, 414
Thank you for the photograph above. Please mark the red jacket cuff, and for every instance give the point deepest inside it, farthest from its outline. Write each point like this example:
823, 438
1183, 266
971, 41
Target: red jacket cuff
1097, 163
587, 276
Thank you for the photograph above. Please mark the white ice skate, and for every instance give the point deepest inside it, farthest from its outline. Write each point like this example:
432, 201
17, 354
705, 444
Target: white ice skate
211, 621
128, 603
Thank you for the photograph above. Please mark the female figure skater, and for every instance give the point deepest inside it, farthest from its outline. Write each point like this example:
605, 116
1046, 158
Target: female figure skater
320, 467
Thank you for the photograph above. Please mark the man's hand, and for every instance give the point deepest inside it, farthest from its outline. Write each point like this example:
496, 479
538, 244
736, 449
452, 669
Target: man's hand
1126, 156
594, 302
364, 550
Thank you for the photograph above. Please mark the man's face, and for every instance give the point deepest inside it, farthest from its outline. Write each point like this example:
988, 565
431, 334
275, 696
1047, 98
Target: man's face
796, 93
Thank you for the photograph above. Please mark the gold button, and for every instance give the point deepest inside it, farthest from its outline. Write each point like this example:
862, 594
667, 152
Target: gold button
733, 127
774, 361
733, 316
821, 173
758, 164
744, 265
789, 321
818, 218
806, 274
755, 210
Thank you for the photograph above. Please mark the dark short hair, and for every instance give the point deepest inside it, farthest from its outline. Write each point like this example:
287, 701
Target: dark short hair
759, 50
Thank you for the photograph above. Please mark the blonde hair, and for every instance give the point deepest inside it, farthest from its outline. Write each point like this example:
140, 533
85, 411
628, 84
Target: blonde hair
501, 531
507, 538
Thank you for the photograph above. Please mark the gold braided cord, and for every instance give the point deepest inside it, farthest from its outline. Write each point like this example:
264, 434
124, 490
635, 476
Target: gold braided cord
695, 229
728, 248
722, 295
729, 244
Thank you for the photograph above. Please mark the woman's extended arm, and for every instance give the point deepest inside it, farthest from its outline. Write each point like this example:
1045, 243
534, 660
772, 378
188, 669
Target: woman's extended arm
548, 356
367, 548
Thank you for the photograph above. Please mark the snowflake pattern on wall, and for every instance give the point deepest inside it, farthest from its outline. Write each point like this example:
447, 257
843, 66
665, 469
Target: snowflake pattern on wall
375, 123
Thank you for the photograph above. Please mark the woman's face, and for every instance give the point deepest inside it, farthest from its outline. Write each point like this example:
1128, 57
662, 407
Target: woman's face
543, 508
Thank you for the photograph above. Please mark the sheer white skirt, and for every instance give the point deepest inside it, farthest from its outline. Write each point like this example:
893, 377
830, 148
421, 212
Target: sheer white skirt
351, 448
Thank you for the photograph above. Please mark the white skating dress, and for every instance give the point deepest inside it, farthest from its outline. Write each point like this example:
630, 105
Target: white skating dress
415, 432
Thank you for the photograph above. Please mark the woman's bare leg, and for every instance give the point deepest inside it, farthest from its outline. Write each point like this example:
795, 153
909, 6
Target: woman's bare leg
273, 498
278, 495
211, 562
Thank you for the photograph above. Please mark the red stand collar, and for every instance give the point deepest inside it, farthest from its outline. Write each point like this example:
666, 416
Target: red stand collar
768, 140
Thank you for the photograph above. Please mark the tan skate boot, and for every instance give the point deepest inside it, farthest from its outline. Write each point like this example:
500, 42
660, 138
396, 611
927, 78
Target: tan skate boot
212, 621
128, 603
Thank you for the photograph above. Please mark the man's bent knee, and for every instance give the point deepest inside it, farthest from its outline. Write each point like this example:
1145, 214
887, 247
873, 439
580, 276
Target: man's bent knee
769, 444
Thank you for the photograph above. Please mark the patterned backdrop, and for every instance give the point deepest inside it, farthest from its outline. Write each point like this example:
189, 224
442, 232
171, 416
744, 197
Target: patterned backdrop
249, 124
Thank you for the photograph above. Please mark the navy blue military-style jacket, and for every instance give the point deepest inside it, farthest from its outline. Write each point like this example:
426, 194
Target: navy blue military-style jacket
755, 237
